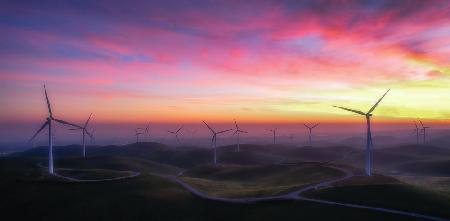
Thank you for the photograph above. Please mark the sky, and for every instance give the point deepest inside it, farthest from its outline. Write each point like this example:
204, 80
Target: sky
257, 61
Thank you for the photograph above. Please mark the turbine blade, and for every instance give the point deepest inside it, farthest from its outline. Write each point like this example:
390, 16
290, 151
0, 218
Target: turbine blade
85, 124
376, 104
315, 125
235, 124
223, 131
48, 102
243, 131
307, 126
180, 129
421, 123
67, 123
40, 129
90, 135
209, 127
351, 110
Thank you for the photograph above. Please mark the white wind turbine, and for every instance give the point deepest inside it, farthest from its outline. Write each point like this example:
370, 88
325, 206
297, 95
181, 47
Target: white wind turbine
369, 145
237, 132
310, 128
48, 122
214, 140
84, 131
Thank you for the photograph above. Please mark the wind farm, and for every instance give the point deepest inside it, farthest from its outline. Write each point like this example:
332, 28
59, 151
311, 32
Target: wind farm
225, 110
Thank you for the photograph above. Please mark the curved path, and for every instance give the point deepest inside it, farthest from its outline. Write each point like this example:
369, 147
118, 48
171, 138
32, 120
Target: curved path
296, 195
71, 179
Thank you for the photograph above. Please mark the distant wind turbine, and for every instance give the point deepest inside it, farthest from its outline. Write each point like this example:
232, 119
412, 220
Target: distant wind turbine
176, 134
424, 129
291, 137
48, 122
274, 132
137, 134
214, 140
84, 131
146, 131
237, 132
310, 128
369, 146
417, 132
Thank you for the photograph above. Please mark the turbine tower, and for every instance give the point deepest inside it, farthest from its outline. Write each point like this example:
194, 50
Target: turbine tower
424, 129
48, 122
176, 134
214, 140
274, 132
369, 145
237, 132
310, 128
84, 131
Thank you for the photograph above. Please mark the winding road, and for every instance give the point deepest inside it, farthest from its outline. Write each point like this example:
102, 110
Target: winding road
132, 174
296, 195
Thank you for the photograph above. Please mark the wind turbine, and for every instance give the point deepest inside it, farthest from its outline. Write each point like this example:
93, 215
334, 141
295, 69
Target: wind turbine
274, 132
84, 132
146, 131
291, 137
237, 132
214, 140
424, 129
310, 128
48, 122
176, 133
369, 146
417, 132
137, 133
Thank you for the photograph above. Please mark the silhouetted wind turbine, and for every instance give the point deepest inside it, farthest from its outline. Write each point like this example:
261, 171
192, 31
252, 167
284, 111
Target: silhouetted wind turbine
214, 140
274, 132
146, 131
137, 133
48, 122
84, 132
291, 137
237, 132
310, 128
417, 132
369, 146
176, 134
424, 129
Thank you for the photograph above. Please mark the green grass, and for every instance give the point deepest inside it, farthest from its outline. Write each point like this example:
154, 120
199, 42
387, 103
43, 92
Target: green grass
394, 195
245, 181
116, 163
92, 174
27, 193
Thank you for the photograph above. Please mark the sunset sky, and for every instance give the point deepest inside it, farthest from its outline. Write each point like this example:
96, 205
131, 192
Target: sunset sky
258, 61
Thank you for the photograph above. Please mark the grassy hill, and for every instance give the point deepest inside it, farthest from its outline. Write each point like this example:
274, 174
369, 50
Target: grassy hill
381, 191
239, 181
29, 194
